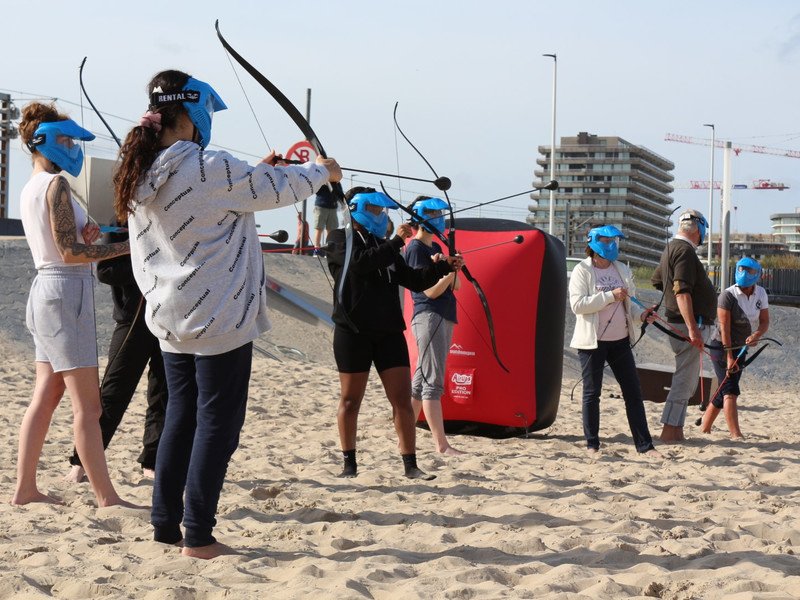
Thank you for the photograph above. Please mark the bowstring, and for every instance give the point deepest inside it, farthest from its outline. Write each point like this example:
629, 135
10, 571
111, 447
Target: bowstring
263, 135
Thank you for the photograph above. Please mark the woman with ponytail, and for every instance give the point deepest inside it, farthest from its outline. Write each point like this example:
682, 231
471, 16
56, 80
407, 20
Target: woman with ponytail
60, 312
197, 259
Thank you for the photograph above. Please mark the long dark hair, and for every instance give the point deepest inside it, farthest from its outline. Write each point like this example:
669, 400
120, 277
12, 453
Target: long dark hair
142, 144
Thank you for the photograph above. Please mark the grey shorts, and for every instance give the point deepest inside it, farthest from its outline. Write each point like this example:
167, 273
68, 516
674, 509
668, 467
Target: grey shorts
326, 218
60, 316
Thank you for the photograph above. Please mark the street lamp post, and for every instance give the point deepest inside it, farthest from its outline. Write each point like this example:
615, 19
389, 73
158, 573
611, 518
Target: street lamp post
553, 147
711, 191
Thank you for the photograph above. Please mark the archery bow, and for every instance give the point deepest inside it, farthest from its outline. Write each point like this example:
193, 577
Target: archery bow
308, 132
450, 242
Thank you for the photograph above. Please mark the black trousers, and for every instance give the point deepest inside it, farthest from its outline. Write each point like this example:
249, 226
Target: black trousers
126, 365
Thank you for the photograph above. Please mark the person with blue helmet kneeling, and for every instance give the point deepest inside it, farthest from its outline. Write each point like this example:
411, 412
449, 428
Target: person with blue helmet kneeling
599, 294
742, 319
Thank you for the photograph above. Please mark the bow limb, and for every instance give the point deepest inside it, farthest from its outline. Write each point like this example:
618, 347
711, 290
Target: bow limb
94, 108
467, 275
311, 136
450, 242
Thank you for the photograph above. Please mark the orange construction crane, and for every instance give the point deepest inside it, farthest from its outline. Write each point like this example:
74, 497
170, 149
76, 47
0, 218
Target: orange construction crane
737, 148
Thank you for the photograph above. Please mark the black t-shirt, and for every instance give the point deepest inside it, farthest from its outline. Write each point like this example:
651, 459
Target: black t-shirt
419, 255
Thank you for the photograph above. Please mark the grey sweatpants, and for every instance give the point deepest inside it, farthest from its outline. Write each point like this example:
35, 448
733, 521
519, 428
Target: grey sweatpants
433, 334
686, 377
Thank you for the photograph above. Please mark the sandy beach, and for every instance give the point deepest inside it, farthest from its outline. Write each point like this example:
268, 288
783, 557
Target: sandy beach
518, 518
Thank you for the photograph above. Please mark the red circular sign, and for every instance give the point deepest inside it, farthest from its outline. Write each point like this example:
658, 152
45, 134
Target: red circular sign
302, 151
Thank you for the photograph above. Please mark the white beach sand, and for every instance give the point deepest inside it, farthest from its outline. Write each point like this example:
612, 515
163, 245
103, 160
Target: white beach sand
516, 518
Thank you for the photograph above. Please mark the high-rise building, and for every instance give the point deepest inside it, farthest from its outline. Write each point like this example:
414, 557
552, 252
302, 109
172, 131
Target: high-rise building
8, 132
606, 180
786, 228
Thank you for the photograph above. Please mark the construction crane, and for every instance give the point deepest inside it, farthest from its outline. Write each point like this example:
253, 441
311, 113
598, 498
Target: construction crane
761, 183
758, 184
737, 148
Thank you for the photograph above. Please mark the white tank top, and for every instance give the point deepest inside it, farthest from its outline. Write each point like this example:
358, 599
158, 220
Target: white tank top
36, 222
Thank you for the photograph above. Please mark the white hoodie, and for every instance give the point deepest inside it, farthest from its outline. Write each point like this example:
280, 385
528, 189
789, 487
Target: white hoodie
195, 249
586, 302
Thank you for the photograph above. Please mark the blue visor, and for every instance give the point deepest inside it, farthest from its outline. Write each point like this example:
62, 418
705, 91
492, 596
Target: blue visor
605, 231
374, 198
68, 128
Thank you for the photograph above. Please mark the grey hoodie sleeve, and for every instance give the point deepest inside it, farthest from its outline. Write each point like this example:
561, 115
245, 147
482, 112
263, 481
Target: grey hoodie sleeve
246, 188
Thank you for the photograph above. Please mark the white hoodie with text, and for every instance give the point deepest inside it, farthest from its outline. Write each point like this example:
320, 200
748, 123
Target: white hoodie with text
195, 249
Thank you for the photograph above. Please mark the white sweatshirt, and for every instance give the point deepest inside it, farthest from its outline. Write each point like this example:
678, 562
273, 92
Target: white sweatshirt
586, 302
195, 249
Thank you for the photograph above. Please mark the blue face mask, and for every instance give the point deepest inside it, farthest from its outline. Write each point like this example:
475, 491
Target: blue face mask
701, 228
200, 101
422, 209
745, 278
375, 224
606, 249
45, 141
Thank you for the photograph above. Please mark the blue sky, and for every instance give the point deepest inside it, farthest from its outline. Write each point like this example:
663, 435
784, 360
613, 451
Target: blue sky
474, 90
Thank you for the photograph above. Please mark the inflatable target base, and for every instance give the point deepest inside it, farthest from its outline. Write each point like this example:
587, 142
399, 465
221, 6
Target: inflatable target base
515, 391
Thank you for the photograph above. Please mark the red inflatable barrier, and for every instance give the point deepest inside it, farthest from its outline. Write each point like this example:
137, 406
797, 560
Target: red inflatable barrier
525, 285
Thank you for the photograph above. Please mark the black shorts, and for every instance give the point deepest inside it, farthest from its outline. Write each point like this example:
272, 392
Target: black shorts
355, 352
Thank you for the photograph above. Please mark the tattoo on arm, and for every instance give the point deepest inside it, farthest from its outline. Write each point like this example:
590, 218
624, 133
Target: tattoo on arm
62, 223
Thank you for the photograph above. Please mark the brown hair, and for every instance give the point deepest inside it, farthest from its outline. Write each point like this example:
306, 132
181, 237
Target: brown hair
142, 144
33, 115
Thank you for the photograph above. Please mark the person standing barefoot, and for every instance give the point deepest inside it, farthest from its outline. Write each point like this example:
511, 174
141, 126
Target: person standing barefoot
433, 321
60, 311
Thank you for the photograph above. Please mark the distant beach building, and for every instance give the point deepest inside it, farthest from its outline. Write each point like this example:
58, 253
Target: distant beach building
754, 245
786, 228
607, 180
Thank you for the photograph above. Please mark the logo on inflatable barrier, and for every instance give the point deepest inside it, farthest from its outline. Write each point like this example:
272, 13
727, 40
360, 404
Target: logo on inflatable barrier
462, 378
459, 350
460, 385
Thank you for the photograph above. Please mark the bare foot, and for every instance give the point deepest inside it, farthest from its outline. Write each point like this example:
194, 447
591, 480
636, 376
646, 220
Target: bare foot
653, 453
737, 438
76, 475
208, 552
450, 451
151, 473
19, 499
593, 452
120, 502
672, 434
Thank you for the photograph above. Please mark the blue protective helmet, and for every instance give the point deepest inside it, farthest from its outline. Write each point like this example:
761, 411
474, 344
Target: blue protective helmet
748, 272
45, 141
430, 204
698, 218
607, 250
375, 224
200, 101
